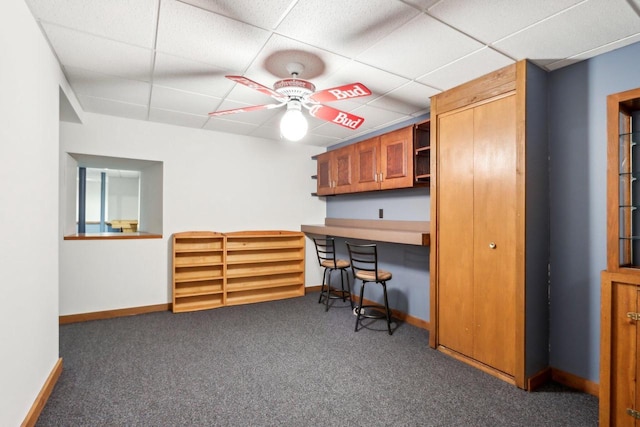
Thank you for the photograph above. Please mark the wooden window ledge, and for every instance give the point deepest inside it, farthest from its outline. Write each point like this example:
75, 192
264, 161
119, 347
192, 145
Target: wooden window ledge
112, 236
404, 232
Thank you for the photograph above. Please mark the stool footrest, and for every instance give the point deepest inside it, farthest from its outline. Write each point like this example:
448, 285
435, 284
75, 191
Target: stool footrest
379, 311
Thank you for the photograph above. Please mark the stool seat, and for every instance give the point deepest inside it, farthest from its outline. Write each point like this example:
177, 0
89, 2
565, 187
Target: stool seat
326, 251
370, 276
339, 263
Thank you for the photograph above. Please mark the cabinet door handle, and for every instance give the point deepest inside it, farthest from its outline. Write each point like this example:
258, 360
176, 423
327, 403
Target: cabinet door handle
381, 177
633, 316
492, 245
375, 177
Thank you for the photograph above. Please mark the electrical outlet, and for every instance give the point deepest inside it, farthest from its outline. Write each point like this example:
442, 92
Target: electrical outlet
380, 213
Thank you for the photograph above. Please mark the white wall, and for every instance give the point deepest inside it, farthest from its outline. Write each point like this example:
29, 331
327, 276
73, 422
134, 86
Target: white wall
212, 181
30, 79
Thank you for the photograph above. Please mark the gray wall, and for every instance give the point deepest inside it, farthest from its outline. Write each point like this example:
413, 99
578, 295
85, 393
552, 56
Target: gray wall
578, 153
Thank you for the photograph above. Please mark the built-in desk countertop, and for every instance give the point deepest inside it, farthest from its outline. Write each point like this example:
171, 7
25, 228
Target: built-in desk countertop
381, 230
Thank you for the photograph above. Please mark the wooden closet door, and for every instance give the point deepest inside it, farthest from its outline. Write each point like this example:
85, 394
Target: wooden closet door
455, 231
494, 219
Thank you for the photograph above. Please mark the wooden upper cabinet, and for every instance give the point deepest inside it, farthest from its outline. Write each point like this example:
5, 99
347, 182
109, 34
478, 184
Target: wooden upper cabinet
366, 157
335, 171
379, 163
396, 159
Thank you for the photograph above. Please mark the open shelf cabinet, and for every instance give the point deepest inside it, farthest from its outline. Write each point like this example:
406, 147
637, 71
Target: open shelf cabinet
213, 269
198, 270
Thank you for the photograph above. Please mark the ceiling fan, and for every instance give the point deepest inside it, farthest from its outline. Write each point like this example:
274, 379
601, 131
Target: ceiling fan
296, 93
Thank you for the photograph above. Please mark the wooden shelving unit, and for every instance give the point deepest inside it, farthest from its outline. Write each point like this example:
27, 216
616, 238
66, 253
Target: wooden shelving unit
422, 152
264, 266
213, 269
198, 270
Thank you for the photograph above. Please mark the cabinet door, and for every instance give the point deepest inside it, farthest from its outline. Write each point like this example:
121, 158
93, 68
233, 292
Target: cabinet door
624, 357
477, 233
396, 159
366, 153
325, 180
494, 229
455, 232
342, 163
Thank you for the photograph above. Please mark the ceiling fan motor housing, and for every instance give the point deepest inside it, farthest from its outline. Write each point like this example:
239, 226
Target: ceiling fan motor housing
294, 88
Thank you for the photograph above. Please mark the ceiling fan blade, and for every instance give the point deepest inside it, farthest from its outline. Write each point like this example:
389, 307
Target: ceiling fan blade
353, 90
338, 117
257, 86
245, 109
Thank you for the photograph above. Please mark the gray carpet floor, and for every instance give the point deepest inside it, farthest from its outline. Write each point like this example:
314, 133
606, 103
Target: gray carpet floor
283, 363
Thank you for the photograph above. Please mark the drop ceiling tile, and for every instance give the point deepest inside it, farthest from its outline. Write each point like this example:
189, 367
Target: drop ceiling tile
491, 20
439, 45
377, 81
377, 117
197, 34
594, 52
176, 118
113, 108
577, 30
465, 69
184, 74
270, 64
422, 4
409, 99
261, 13
81, 50
100, 85
184, 102
252, 117
344, 27
231, 126
129, 21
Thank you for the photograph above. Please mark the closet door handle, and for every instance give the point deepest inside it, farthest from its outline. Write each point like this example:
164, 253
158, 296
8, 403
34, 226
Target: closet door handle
492, 245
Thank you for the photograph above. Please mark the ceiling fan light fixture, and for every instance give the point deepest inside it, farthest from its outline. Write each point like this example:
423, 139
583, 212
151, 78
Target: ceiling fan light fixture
293, 125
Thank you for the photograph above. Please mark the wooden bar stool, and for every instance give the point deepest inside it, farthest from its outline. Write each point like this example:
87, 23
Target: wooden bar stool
364, 265
326, 251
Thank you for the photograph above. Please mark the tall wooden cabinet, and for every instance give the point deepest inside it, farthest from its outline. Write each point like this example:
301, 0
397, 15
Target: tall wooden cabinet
620, 297
489, 218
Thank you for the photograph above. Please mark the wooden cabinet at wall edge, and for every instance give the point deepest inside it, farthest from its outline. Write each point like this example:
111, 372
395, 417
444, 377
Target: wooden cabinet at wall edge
397, 159
619, 389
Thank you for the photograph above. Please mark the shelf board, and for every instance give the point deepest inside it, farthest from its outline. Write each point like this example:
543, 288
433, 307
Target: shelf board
231, 276
264, 261
244, 287
197, 279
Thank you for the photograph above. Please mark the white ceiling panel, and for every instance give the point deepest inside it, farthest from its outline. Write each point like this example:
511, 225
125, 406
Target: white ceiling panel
100, 85
198, 77
166, 60
491, 20
438, 45
129, 21
465, 69
261, 13
344, 27
409, 99
81, 50
113, 108
579, 29
377, 81
177, 118
185, 102
279, 51
197, 34
231, 126
593, 52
